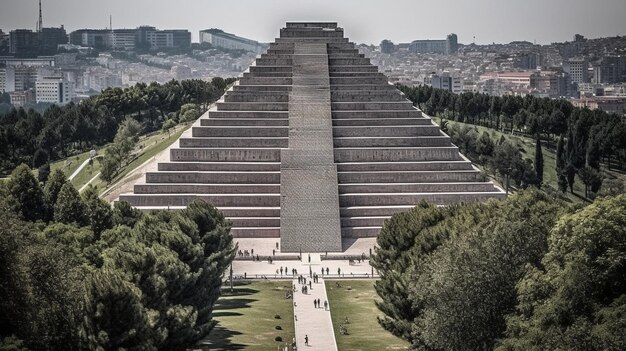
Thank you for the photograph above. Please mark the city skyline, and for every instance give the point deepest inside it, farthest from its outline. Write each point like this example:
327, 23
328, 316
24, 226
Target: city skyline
367, 21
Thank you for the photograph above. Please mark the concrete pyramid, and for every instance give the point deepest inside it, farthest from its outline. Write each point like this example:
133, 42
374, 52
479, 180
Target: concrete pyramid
312, 145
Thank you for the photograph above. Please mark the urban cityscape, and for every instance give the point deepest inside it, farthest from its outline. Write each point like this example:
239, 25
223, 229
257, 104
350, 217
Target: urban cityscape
320, 175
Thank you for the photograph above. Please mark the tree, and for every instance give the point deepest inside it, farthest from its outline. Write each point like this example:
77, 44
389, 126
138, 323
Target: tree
539, 161
25, 189
591, 179
98, 211
560, 165
573, 300
69, 207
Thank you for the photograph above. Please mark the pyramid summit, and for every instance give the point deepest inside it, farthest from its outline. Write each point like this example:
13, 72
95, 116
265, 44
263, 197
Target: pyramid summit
312, 145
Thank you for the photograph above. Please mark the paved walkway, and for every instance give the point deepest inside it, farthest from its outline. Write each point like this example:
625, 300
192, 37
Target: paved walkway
311, 321
80, 168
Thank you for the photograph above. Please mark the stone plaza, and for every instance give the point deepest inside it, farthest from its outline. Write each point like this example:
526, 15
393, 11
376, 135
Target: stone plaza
312, 147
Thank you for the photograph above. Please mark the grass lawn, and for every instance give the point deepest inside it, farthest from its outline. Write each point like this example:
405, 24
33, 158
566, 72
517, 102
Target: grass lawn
246, 318
355, 299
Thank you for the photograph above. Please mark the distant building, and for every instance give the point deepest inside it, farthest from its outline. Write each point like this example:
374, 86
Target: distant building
448, 46
607, 104
93, 38
54, 89
23, 42
508, 83
528, 60
387, 47
578, 68
607, 70
221, 39
19, 78
123, 39
446, 82
50, 39
39, 61
21, 98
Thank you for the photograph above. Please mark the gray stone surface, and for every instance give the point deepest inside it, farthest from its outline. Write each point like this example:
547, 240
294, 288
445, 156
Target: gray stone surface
309, 193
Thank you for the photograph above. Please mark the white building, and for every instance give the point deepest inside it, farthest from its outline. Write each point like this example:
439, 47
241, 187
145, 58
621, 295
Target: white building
54, 89
221, 39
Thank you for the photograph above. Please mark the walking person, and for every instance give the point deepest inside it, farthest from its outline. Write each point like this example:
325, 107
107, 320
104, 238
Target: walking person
315, 303
306, 340
325, 305
338, 271
326, 270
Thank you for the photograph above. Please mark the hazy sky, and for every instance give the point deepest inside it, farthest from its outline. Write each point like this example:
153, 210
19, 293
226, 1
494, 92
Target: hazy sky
365, 21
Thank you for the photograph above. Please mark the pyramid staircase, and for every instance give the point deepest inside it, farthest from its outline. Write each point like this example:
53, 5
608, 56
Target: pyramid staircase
311, 145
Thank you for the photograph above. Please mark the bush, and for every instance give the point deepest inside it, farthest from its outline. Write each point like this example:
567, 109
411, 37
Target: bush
276, 316
278, 338
278, 327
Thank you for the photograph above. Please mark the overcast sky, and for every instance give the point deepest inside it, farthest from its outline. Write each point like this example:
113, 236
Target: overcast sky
364, 21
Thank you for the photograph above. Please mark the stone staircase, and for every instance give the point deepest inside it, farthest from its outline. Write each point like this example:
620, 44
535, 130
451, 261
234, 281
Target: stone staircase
312, 140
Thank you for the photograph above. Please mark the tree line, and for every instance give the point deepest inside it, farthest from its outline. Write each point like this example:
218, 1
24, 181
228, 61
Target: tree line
80, 275
525, 273
588, 137
64, 130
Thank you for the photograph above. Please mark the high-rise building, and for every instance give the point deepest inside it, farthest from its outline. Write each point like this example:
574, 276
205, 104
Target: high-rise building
607, 70
54, 89
578, 69
94, 38
50, 39
387, 47
23, 42
452, 44
221, 39
123, 39
19, 78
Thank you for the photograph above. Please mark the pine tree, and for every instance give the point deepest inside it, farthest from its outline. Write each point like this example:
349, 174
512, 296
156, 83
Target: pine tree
539, 162
25, 189
51, 191
98, 211
69, 207
560, 165
570, 168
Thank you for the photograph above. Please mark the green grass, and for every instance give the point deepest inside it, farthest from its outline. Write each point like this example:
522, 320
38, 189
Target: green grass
355, 300
70, 164
246, 318
549, 158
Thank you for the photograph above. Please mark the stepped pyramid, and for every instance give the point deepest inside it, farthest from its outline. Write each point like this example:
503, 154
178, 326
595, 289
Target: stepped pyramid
312, 145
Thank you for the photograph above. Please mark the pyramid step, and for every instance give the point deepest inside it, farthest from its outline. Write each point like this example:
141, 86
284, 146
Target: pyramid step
369, 221
408, 176
340, 74
358, 96
256, 211
219, 166
240, 131
257, 87
312, 40
381, 154
386, 141
366, 114
376, 211
265, 80
271, 68
380, 199
353, 86
352, 68
358, 80
246, 222
249, 114
225, 154
190, 188
266, 74
273, 61
348, 61
364, 188
238, 141
360, 232
266, 96
404, 166
373, 105
214, 177
252, 106
387, 131
255, 232
265, 122
218, 200
373, 122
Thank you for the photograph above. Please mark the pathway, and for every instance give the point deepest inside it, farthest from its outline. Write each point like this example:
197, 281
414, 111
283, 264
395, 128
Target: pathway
80, 168
311, 321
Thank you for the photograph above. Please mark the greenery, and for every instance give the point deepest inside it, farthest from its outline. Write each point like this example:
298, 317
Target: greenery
74, 128
100, 278
591, 137
246, 317
355, 299
466, 277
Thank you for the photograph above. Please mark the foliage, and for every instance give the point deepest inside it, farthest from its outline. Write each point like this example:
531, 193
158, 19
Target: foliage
448, 275
576, 298
99, 278
64, 130
24, 188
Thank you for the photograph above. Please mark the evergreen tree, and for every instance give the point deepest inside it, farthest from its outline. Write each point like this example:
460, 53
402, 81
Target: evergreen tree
570, 168
69, 208
51, 191
560, 165
98, 211
539, 161
28, 195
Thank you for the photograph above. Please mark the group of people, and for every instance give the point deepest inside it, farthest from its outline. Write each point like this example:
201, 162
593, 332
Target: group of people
318, 304
285, 270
